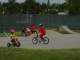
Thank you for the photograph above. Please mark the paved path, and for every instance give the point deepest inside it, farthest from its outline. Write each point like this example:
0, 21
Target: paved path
57, 41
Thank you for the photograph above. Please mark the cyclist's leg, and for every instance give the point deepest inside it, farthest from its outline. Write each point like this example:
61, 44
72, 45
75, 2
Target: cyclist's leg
16, 40
42, 37
13, 42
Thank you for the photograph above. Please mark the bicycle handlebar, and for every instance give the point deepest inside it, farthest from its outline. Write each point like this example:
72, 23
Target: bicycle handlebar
36, 33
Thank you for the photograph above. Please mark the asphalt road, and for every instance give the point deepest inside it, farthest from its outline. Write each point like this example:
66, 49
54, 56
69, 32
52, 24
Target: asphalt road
57, 41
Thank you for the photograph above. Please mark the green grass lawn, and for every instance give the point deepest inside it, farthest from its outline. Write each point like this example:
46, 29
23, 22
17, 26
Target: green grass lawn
32, 54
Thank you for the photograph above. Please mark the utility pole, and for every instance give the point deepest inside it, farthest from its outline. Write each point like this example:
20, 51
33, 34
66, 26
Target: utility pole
48, 4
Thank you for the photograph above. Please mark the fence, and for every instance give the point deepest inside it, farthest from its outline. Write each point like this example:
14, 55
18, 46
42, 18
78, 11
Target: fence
19, 21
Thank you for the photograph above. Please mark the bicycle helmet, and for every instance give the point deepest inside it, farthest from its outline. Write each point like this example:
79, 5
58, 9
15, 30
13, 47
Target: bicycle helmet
12, 30
40, 24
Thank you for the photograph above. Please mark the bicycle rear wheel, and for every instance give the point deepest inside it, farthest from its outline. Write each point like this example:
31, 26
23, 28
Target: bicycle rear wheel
46, 40
19, 44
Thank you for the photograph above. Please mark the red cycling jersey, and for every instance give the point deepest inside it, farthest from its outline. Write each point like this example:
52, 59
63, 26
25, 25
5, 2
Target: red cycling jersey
42, 30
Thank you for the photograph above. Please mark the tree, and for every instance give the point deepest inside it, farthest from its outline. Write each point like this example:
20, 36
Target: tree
11, 1
30, 7
43, 8
13, 7
73, 6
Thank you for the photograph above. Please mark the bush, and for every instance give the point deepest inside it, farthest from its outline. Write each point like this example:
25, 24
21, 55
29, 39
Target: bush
5, 34
18, 33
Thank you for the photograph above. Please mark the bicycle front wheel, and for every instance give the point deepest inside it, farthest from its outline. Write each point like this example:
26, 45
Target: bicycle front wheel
35, 40
8, 45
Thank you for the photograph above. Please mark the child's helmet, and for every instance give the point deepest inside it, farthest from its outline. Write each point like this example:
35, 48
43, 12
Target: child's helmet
40, 24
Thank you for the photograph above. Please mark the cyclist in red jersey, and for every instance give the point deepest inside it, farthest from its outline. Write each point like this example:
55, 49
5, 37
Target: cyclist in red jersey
42, 31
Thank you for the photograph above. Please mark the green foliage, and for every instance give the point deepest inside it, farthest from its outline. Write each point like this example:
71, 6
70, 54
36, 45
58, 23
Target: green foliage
6, 34
32, 7
73, 6
18, 33
29, 6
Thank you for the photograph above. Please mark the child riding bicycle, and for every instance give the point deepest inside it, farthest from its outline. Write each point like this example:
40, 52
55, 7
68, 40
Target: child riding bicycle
13, 37
40, 34
42, 31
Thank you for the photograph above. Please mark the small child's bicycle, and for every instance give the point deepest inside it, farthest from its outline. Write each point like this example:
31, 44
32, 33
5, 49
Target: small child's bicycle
13, 44
37, 39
